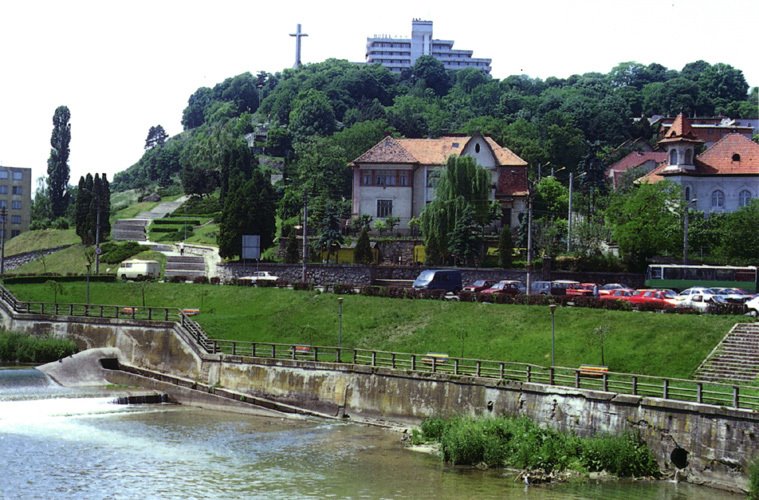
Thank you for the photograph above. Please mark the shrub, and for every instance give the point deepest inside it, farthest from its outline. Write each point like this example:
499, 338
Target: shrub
114, 253
343, 288
18, 348
753, 479
201, 280
303, 285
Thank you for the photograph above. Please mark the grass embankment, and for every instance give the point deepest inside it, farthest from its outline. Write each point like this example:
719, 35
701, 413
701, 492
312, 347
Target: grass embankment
523, 444
43, 239
18, 348
666, 345
72, 260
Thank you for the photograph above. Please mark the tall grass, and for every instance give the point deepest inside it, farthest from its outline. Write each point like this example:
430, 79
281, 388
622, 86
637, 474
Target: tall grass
19, 348
520, 443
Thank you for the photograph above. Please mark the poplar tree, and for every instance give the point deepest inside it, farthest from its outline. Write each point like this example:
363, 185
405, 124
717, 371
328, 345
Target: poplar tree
82, 206
57, 165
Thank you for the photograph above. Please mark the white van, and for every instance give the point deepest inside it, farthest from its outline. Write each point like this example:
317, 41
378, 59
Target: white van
135, 269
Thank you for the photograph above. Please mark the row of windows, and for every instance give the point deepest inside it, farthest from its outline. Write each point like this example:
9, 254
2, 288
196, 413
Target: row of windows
391, 45
718, 198
15, 220
15, 190
384, 178
15, 204
17, 176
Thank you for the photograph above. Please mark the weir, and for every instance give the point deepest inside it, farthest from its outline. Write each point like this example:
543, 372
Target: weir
707, 444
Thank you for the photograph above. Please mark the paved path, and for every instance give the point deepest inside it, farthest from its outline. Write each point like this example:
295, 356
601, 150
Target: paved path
162, 209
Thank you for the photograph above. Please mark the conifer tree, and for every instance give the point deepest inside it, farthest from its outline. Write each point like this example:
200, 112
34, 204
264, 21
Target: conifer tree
292, 253
58, 163
363, 252
505, 248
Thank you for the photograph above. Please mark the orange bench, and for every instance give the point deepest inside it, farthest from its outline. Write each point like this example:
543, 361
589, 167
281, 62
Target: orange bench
593, 370
191, 312
303, 350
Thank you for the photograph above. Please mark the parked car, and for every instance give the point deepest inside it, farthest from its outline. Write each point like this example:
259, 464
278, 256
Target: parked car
664, 299
583, 289
752, 306
479, 285
505, 287
617, 294
609, 287
257, 277
731, 296
136, 269
541, 287
559, 287
705, 293
694, 301
439, 279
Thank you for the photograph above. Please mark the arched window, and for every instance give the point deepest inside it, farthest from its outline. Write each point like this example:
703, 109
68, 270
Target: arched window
744, 198
718, 199
477, 148
687, 193
736, 157
673, 157
689, 157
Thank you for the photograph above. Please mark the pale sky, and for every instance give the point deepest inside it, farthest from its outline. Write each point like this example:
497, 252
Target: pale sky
124, 66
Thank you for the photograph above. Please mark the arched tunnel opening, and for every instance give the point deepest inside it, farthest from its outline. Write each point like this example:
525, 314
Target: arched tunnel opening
679, 457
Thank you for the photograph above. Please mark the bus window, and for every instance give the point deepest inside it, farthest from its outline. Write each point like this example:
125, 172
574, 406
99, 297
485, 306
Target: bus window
654, 273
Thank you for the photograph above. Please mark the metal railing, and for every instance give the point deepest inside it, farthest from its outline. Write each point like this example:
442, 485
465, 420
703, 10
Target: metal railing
727, 395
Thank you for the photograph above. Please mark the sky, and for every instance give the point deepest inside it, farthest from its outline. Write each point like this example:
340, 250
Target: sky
122, 66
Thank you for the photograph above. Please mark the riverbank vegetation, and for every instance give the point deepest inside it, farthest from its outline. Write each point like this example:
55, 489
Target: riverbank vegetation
522, 444
19, 348
666, 345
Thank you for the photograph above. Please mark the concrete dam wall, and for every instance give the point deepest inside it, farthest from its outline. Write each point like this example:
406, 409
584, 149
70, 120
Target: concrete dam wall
712, 445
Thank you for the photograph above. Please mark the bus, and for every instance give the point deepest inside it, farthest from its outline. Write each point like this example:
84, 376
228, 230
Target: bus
679, 277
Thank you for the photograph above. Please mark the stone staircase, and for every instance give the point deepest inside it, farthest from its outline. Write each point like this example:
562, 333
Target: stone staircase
130, 230
189, 266
736, 358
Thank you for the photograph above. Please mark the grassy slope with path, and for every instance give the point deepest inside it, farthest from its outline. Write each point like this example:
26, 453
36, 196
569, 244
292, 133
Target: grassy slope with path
669, 345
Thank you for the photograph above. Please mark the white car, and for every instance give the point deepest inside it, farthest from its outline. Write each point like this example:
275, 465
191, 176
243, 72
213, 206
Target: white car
694, 301
705, 293
258, 277
753, 306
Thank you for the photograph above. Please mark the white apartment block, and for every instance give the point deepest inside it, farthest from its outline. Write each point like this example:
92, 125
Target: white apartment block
397, 54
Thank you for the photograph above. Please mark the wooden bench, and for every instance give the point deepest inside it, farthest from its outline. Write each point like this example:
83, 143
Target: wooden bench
436, 358
301, 350
128, 310
191, 312
593, 370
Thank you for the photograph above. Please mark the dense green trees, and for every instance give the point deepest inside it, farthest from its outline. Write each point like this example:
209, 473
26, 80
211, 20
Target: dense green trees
93, 209
248, 209
58, 163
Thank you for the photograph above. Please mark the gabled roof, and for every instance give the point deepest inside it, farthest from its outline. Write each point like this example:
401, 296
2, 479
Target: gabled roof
432, 151
636, 159
734, 154
388, 150
680, 131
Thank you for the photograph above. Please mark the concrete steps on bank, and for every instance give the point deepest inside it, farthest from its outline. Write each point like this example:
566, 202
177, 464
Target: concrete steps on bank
130, 230
736, 358
188, 266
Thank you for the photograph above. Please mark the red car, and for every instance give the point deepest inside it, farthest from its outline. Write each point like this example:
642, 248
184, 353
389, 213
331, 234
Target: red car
583, 289
617, 294
479, 285
663, 299
505, 287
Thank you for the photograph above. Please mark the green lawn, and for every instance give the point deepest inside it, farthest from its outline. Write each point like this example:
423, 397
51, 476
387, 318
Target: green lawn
668, 345
30, 241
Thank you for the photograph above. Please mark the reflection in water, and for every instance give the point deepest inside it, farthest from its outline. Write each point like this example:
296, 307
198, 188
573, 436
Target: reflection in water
89, 448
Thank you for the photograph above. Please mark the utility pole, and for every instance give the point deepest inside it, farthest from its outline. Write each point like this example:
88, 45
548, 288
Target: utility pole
569, 216
529, 240
4, 215
305, 234
97, 238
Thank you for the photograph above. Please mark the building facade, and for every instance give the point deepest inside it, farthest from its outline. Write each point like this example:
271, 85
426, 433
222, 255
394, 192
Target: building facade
15, 200
397, 177
723, 178
397, 54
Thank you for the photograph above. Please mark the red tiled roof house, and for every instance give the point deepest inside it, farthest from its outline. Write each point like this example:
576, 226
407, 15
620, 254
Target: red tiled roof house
723, 178
397, 177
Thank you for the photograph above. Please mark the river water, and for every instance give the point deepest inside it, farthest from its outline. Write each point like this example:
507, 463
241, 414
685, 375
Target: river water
60, 443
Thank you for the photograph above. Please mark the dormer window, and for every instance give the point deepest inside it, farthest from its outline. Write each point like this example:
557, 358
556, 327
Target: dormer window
736, 157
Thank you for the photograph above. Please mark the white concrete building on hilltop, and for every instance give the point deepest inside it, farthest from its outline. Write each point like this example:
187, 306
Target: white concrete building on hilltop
397, 54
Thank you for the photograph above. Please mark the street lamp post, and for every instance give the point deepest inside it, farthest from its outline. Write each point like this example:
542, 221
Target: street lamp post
685, 229
3, 215
339, 323
552, 307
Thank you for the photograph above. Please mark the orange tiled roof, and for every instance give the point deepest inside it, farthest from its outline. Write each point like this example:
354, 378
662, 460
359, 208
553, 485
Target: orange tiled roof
432, 151
388, 150
717, 160
734, 154
680, 131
